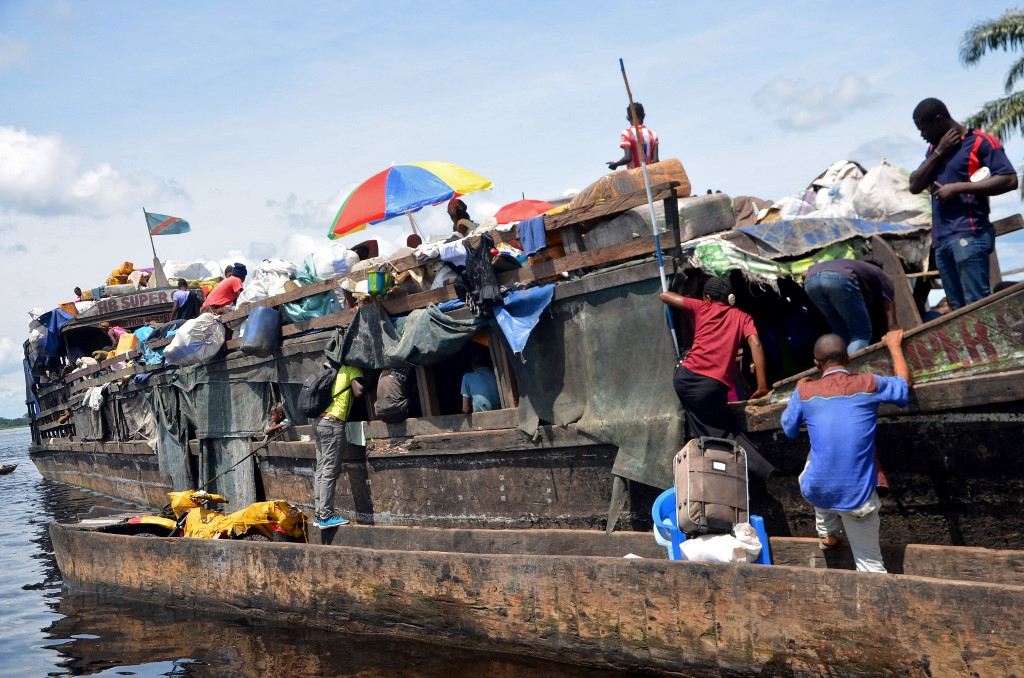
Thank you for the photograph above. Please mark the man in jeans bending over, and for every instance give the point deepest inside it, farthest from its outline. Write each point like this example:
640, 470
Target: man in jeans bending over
841, 412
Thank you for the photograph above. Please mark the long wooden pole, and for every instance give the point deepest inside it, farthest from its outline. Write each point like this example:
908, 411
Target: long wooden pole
650, 202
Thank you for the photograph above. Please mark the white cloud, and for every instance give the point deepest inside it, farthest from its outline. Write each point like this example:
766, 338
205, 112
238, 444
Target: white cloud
41, 175
308, 214
803, 106
11, 51
901, 150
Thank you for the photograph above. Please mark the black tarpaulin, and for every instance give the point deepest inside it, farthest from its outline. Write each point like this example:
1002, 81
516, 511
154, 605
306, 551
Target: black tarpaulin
604, 362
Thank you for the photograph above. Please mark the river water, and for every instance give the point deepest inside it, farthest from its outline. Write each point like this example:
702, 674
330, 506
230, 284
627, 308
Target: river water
47, 631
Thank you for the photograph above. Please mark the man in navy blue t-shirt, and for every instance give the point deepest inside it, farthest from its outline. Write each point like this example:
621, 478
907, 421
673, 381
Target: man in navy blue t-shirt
962, 168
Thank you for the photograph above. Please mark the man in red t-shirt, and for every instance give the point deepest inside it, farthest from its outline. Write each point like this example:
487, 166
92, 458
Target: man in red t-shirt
702, 380
226, 291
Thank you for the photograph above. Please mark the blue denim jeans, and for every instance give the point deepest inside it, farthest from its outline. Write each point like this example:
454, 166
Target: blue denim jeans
841, 302
963, 267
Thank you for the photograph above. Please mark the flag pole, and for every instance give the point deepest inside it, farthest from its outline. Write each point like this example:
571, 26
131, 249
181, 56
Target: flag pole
158, 270
650, 203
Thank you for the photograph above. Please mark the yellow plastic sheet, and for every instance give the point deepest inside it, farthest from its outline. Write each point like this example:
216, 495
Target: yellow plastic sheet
204, 524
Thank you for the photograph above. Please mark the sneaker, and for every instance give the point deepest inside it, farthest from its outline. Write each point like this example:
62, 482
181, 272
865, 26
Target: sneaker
325, 523
828, 543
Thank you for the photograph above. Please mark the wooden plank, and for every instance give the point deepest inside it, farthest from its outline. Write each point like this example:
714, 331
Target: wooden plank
608, 208
102, 365
936, 396
301, 293
479, 441
955, 563
507, 388
953, 320
417, 426
995, 273
1014, 222
429, 405
572, 239
907, 315
54, 426
112, 377
129, 448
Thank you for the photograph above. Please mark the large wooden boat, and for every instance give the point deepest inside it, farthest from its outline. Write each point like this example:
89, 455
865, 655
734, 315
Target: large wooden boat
571, 596
589, 420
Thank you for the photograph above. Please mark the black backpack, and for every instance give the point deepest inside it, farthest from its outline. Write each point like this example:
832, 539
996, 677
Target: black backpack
315, 395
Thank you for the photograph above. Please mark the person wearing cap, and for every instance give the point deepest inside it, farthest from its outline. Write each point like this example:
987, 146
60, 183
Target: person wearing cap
461, 223
846, 291
702, 380
226, 291
961, 169
629, 145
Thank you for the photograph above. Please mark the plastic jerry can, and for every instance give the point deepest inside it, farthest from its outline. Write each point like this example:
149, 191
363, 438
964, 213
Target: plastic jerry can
261, 333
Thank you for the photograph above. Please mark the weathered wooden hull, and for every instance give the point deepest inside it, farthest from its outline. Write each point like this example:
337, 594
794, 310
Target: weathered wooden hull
956, 477
560, 487
568, 598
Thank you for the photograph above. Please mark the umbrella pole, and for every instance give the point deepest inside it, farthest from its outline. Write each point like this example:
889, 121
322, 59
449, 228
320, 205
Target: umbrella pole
413, 222
650, 205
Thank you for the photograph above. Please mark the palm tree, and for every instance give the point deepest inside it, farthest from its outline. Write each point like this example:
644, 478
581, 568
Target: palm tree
999, 117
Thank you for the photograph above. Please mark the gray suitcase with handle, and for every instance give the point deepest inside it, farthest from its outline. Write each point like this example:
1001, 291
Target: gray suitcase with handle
711, 486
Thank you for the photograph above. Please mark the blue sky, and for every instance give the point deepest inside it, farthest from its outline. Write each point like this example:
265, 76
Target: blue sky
254, 120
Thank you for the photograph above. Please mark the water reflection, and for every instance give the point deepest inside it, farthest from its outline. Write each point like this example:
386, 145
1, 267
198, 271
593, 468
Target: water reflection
98, 635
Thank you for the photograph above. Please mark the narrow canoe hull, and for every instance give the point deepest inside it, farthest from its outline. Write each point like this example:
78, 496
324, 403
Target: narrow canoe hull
645, 614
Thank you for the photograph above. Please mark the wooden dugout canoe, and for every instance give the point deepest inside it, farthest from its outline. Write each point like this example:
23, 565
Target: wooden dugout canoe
570, 596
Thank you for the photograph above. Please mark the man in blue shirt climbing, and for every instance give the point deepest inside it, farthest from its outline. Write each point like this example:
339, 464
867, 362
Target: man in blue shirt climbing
962, 168
841, 412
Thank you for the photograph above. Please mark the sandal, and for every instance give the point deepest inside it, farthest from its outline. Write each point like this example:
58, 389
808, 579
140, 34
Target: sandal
828, 543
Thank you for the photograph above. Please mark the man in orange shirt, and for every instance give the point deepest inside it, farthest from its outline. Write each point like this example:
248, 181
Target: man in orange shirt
226, 291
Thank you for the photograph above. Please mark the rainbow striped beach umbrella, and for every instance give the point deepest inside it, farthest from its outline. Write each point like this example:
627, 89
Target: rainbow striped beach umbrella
403, 189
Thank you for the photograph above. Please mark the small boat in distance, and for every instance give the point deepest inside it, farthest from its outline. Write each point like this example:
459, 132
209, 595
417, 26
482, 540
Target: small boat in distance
7, 468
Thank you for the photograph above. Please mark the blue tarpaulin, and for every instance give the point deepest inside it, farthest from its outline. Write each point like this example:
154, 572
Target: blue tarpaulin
799, 236
519, 312
54, 321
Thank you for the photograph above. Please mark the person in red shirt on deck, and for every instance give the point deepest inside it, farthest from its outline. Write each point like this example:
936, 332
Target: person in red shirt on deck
648, 140
703, 378
226, 291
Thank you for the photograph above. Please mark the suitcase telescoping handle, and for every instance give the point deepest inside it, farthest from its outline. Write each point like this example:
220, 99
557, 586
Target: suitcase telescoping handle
718, 443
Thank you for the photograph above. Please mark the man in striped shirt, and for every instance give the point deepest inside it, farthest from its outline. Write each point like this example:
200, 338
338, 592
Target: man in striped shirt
628, 142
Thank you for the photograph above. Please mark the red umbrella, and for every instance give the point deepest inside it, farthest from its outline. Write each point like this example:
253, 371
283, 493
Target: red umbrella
521, 210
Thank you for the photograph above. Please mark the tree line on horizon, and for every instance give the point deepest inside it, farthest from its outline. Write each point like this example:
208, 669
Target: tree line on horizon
13, 423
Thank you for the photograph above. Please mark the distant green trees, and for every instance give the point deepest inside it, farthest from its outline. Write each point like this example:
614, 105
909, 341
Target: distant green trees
999, 117
13, 423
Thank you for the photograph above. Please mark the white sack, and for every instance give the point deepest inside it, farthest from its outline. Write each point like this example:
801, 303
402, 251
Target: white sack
192, 270
331, 260
744, 547
197, 341
266, 281
836, 202
884, 195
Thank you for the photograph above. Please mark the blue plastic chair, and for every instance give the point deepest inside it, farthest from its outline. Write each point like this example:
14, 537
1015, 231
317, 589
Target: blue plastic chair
667, 534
